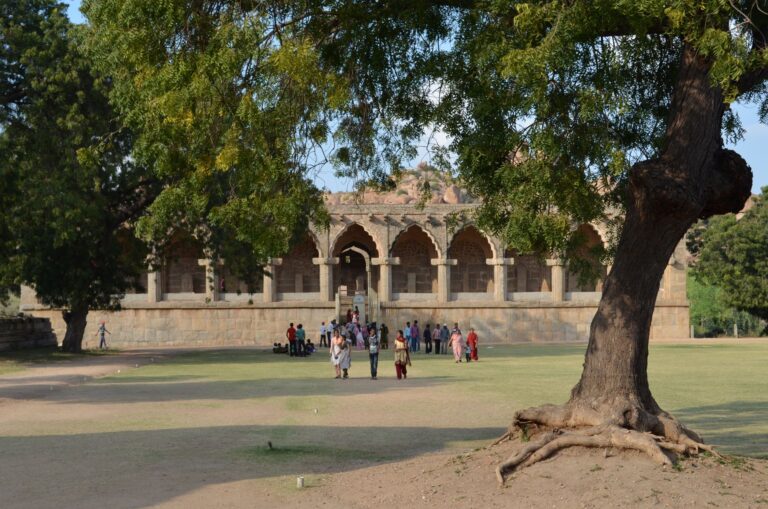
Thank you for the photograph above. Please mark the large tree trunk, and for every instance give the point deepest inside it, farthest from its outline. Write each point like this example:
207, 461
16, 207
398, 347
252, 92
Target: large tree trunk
76, 322
694, 178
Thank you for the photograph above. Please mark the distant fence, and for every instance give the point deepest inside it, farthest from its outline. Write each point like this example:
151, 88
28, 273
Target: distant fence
26, 332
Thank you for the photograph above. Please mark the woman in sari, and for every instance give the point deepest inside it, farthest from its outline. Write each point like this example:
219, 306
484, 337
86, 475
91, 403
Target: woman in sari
402, 357
457, 342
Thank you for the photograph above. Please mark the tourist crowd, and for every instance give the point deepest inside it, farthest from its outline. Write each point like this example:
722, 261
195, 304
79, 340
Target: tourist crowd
340, 339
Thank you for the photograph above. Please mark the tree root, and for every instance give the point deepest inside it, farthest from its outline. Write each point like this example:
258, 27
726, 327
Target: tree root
569, 426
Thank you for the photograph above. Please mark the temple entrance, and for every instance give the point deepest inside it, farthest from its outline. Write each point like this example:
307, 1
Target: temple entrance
355, 278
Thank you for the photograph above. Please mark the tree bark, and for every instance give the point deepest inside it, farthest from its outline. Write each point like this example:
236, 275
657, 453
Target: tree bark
76, 322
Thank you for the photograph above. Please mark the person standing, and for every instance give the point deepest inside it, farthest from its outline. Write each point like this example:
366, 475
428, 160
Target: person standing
427, 339
407, 336
290, 334
457, 343
373, 352
472, 343
445, 336
384, 336
436, 338
301, 336
323, 330
102, 335
416, 336
402, 357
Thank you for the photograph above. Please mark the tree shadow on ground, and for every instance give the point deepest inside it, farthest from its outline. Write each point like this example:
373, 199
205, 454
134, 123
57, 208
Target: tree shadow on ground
183, 388
729, 425
132, 469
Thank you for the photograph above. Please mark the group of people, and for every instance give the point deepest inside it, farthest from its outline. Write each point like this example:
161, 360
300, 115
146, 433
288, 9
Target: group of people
298, 343
463, 349
440, 339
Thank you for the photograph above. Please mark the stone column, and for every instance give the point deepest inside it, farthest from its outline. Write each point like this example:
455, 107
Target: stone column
443, 278
385, 276
500, 277
270, 285
327, 291
211, 279
558, 279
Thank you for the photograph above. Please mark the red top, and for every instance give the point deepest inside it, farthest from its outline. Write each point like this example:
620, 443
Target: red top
472, 340
291, 333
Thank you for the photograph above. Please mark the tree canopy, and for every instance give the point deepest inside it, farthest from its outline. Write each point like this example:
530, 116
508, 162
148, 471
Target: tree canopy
733, 257
69, 190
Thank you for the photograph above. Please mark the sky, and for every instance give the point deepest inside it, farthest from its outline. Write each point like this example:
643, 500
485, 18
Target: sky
753, 147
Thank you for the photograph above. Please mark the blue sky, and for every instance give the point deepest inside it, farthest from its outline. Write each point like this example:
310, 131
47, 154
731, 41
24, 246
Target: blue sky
753, 147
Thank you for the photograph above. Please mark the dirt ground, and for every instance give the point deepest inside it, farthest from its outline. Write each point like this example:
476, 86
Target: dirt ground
125, 431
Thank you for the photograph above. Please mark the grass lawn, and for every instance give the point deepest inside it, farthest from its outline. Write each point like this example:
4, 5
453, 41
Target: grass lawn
224, 406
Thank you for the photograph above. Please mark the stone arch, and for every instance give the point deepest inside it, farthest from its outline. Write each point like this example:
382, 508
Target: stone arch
429, 234
354, 246
416, 249
530, 273
297, 273
471, 226
355, 230
591, 239
471, 274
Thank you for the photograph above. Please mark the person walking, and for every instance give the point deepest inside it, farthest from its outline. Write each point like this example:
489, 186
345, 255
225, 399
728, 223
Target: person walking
457, 343
340, 356
402, 356
472, 343
445, 336
101, 332
373, 352
436, 338
301, 336
416, 336
290, 334
427, 339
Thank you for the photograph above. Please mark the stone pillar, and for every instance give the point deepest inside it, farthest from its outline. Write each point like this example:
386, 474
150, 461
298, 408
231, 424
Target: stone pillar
443, 278
211, 279
270, 285
500, 277
154, 286
558, 280
327, 291
385, 276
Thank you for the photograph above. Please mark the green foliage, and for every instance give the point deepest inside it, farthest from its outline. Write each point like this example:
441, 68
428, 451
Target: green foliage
68, 189
733, 258
229, 109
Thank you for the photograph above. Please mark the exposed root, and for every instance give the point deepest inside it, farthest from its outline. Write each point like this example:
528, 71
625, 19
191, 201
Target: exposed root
568, 426
506, 436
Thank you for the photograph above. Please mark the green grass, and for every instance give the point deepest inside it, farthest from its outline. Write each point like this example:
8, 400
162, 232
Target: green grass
216, 411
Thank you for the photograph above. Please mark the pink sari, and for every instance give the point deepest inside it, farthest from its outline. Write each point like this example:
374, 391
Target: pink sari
457, 342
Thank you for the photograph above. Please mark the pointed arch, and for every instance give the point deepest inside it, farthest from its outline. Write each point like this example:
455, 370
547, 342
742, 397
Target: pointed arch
297, 273
416, 249
356, 233
471, 274
590, 239
412, 228
470, 227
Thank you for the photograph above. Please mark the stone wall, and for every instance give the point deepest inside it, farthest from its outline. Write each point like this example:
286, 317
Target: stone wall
260, 324
26, 332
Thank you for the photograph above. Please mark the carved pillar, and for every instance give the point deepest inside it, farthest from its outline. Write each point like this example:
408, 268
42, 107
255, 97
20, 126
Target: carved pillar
327, 291
558, 280
154, 286
500, 276
443, 278
385, 276
270, 284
